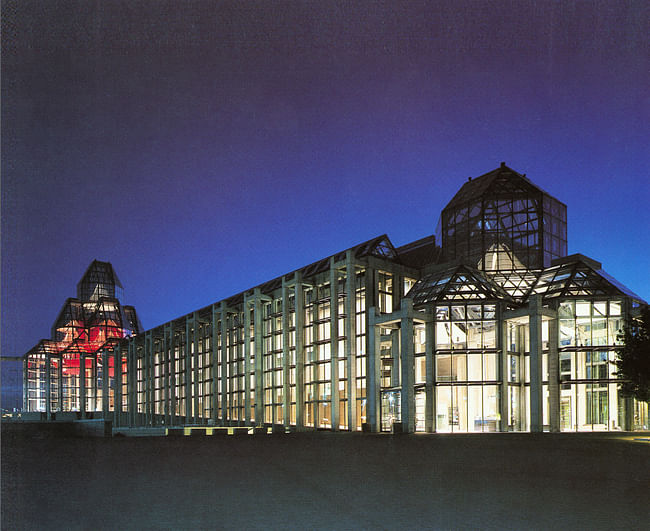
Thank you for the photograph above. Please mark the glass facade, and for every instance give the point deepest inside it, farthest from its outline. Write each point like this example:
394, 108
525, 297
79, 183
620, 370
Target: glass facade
497, 330
589, 398
76, 369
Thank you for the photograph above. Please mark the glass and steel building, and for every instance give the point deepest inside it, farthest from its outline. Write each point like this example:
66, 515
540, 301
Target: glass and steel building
77, 370
486, 326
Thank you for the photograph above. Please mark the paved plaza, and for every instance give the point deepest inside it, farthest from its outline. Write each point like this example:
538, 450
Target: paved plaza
327, 481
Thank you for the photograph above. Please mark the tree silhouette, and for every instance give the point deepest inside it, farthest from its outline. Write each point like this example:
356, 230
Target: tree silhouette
633, 358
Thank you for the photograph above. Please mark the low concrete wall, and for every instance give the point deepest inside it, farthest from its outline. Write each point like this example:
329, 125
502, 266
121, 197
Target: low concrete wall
93, 428
139, 432
58, 428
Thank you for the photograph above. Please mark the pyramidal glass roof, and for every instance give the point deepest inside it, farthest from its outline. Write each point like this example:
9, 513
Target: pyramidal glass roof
456, 283
502, 179
578, 278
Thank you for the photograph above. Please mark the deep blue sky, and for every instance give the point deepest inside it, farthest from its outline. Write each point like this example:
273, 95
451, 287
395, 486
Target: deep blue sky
205, 147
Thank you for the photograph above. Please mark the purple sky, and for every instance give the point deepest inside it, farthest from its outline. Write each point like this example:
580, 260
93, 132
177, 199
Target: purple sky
205, 147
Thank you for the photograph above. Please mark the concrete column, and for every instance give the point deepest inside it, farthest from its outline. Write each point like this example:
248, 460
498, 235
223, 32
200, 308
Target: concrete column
273, 328
628, 402
300, 352
105, 396
315, 385
188, 371
553, 376
371, 299
524, 405
408, 368
373, 381
147, 378
351, 342
247, 359
223, 351
334, 343
286, 402
502, 344
165, 376
60, 374
172, 375
25, 385
198, 389
259, 359
430, 386
131, 377
117, 368
214, 352
48, 384
82, 385
111, 414
536, 396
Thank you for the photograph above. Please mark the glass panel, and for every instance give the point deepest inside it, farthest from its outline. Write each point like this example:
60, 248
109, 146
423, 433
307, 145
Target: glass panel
490, 366
599, 331
420, 408
475, 407
567, 309
459, 367
474, 372
459, 335
567, 333
600, 309
583, 308
446, 417
420, 369
443, 338
489, 334
491, 408
443, 367
474, 334
458, 313
459, 403
615, 326
583, 331
513, 368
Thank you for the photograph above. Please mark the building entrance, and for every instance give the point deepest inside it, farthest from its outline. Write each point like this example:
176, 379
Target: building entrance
390, 409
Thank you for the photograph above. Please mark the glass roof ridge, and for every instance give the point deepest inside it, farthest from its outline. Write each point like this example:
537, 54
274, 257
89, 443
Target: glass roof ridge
379, 246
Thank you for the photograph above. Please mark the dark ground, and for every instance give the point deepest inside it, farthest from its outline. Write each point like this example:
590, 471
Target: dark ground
327, 481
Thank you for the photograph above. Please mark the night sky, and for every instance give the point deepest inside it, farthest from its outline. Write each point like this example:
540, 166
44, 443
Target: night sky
205, 147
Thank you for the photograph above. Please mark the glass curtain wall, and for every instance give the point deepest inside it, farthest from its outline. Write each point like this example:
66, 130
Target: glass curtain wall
36, 382
361, 353
318, 357
291, 319
342, 393
236, 371
589, 398
273, 361
467, 375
